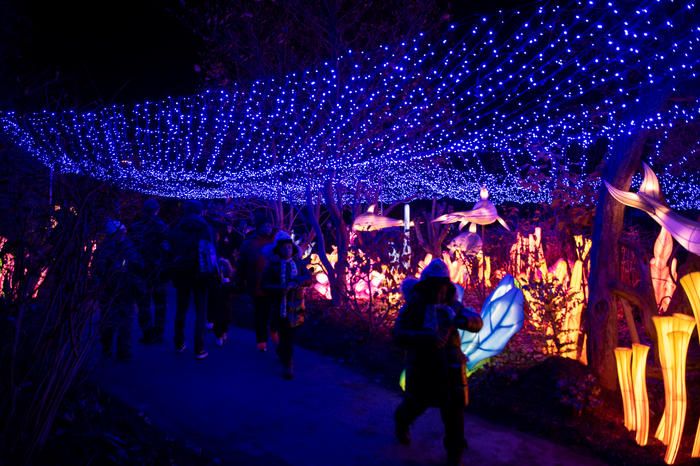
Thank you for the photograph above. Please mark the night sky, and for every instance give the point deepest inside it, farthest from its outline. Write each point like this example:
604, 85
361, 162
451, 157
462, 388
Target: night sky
107, 52
112, 51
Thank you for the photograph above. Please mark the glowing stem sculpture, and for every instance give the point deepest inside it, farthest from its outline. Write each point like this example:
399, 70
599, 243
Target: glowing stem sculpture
639, 386
623, 357
691, 285
649, 200
674, 336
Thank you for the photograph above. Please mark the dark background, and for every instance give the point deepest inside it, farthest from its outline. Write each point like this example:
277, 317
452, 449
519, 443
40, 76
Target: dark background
77, 53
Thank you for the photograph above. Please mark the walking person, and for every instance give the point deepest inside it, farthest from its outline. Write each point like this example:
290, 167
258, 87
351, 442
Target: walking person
117, 269
250, 272
149, 234
221, 302
193, 266
284, 280
436, 367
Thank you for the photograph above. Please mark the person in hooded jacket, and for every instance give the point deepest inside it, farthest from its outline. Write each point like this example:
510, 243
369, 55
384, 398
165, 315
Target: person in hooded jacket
250, 269
186, 240
427, 328
149, 234
116, 273
284, 280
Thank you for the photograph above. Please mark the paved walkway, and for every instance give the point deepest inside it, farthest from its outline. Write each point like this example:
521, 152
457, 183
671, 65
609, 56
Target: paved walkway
236, 406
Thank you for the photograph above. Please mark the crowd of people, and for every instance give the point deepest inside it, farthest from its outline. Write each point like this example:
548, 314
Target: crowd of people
209, 264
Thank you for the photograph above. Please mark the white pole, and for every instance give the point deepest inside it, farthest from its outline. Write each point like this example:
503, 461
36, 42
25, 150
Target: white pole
406, 217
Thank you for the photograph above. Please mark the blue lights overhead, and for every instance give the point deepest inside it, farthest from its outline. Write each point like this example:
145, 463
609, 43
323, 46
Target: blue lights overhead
418, 118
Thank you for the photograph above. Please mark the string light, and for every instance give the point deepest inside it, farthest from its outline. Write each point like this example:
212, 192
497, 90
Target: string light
421, 119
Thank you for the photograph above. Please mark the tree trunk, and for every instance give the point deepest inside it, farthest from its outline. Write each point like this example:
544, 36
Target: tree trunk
333, 199
605, 263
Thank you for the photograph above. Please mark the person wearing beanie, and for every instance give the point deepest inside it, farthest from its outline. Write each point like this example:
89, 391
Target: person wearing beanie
284, 280
192, 267
149, 234
427, 328
250, 269
116, 276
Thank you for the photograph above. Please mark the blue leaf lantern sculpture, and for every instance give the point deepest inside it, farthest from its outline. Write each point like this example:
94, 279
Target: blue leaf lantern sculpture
503, 316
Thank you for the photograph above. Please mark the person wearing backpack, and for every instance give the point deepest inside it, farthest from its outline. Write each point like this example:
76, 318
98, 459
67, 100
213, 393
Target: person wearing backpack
116, 275
427, 329
149, 234
193, 267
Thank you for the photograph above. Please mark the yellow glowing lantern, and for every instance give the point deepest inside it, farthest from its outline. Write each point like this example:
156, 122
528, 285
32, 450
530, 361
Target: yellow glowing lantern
674, 336
639, 388
691, 285
623, 357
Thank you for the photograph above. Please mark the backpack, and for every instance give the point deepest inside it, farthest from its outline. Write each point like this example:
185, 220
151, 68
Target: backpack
208, 264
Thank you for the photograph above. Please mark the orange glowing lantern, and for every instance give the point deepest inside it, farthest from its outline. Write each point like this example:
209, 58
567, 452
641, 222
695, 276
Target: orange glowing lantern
623, 358
674, 336
639, 388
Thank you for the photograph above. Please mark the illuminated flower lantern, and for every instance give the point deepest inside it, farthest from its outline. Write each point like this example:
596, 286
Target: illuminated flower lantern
663, 277
673, 336
648, 199
691, 285
503, 316
483, 213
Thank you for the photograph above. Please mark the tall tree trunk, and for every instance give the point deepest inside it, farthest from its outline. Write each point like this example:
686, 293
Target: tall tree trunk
605, 262
334, 203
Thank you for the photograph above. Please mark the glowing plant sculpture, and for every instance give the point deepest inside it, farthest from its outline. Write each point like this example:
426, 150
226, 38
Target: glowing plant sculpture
648, 199
466, 244
673, 336
663, 277
502, 314
483, 213
691, 285
559, 289
623, 358
641, 398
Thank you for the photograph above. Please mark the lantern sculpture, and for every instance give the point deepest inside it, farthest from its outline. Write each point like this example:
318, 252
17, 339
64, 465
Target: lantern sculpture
648, 199
623, 358
691, 285
674, 336
663, 277
369, 221
639, 388
503, 317
483, 213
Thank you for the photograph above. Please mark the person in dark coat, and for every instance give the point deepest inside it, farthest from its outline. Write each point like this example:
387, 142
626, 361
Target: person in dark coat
250, 272
149, 235
117, 271
284, 280
436, 371
221, 310
188, 240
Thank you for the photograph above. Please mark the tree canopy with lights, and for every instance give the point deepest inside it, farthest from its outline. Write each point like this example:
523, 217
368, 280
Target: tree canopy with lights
481, 106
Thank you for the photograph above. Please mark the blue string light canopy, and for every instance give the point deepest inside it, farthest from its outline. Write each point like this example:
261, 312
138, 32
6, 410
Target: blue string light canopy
418, 118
